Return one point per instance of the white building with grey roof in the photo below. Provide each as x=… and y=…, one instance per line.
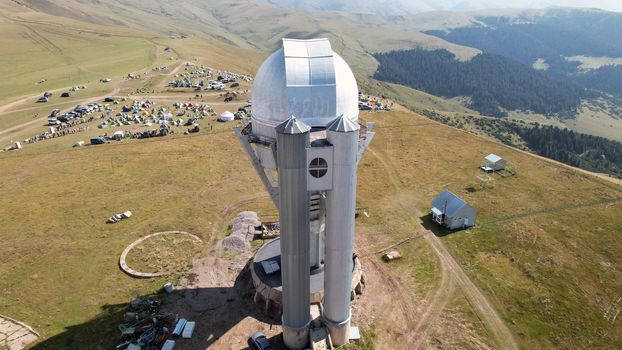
x=493, y=162
x=452, y=212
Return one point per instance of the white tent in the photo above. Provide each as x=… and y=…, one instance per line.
x=118, y=135
x=226, y=117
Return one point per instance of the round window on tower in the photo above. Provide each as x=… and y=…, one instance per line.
x=318, y=167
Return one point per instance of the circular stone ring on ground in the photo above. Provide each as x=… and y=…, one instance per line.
x=139, y=274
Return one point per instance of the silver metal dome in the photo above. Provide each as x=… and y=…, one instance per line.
x=305, y=79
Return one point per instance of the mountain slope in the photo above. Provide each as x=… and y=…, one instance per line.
x=255, y=24
x=402, y=7
x=553, y=38
x=492, y=82
x=60, y=52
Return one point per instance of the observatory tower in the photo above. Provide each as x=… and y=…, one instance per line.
x=305, y=142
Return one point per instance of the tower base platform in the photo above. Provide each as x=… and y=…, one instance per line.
x=268, y=286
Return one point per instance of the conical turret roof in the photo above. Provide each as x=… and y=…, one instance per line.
x=292, y=126
x=343, y=124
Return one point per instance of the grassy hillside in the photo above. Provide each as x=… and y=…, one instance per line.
x=59, y=267
x=546, y=238
x=354, y=36
x=61, y=52
x=541, y=258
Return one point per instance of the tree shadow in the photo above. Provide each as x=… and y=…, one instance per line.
x=232, y=306
x=429, y=224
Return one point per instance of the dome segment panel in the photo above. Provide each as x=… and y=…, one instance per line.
x=305, y=79
x=269, y=94
x=347, y=94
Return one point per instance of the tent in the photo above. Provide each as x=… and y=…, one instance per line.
x=226, y=117
x=118, y=135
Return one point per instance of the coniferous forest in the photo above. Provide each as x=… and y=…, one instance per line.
x=583, y=151
x=492, y=82
x=553, y=39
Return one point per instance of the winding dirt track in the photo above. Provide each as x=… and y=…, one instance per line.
x=476, y=298
x=451, y=275
x=7, y=107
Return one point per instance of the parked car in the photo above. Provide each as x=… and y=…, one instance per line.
x=235, y=85
x=97, y=140
x=65, y=94
x=364, y=107
x=109, y=99
x=260, y=342
x=52, y=121
x=42, y=99
x=55, y=112
x=64, y=118
x=47, y=94
x=191, y=121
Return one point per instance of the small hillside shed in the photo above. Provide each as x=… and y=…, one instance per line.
x=493, y=162
x=452, y=212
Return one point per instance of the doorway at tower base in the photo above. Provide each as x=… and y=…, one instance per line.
x=267, y=281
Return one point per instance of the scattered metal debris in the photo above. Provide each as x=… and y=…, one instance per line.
x=188, y=330
x=145, y=327
x=118, y=217
x=392, y=255
x=169, y=288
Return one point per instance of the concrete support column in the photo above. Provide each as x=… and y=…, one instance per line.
x=292, y=142
x=339, y=245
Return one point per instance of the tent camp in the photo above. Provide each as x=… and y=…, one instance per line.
x=226, y=117
x=452, y=212
x=118, y=135
x=493, y=162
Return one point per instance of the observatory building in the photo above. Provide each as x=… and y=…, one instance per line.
x=305, y=142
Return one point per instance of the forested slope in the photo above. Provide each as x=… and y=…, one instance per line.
x=492, y=82
x=551, y=38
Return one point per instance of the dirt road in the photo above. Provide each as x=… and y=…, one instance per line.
x=451, y=273
x=39, y=121
x=7, y=107
x=476, y=298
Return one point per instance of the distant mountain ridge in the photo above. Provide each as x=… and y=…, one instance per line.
x=552, y=40
x=409, y=7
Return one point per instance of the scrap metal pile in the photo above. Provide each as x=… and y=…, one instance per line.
x=145, y=328
x=118, y=217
